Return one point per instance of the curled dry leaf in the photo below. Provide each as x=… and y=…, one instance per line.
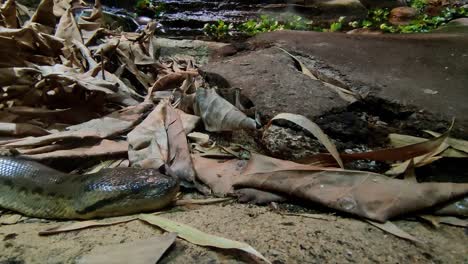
x=366, y=194
x=8, y=14
x=458, y=144
x=170, y=81
x=421, y=150
x=198, y=237
x=313, y=129
x=147, y=251
x=67, y=28
x=189, y=122
x=160, y=141
x=218, y=114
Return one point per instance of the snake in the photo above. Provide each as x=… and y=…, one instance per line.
x=35, y=190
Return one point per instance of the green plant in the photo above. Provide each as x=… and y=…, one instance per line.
x=220, y=30
x=338, y=25
x=418, y=4
x=148, y=8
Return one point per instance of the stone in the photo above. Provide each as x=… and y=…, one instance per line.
x=202, y=51
x=272, y=81
x=402, y=15
x=458, y=26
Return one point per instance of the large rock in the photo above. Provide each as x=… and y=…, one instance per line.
x=411, y=82
x=458, y=26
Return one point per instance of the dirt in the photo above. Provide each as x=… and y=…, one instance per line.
x=281, y=238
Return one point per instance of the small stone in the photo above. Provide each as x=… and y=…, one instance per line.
x=402, y=15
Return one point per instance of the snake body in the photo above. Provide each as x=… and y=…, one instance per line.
x=36, y=190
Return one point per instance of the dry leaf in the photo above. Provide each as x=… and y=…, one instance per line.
x=313, y=129
x=105, y=127
x=16, y=130
x=454, y=221
x=218, y=174
x=218, y=114
x=458, y=144
x=103, y=148
x=67, y=28
x=10, y=219
x=201, y=201
x=8, y=14
x=398, y=140
x=254, y=196
x=315, y=216
x=44, y=14
x=147, y=251
x=345, y=94
x=366, y=194
x=198, y=237
x=455, y=208
x=391, y=228
x=160, y=140
x=199, y=138
x=86, y=224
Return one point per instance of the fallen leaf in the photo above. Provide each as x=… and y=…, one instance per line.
x=18, y=130
x=148, y=141
x=44, y=14
x=197, y=137
x=366, y=194
x=391, y=228
x=189, y=122
x=8, y=14
x=218, y=174
x=313, y=129
x=450, y=220
x=218, y=114
x=458, y=144
x=86, y=224
x=10, y=219
x=67, y=28
x=101, y=128
x=103, y=148
x=345, y=94
x=170, y=81
x=314, y=216
x=454, y=208
x=147, y=251
x=160, y=141
x=198, y=237
x=398, y=140
x=254, y=196
x=201, y=201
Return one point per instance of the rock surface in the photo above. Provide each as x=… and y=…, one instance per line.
x=407, y=82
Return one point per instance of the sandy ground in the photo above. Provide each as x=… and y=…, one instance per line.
x=281, y=238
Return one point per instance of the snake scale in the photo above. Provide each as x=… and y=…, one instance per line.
x=36, y=190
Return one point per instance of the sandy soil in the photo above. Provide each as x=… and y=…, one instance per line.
x=281, y=238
